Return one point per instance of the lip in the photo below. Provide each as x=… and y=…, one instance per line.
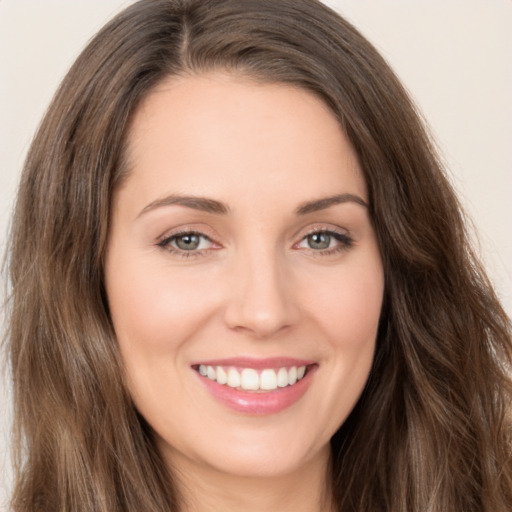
x=258, y=403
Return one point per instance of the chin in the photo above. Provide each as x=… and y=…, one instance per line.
x=252, y=453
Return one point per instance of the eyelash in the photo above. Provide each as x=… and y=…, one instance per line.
x=167, y=241
x=345, y=242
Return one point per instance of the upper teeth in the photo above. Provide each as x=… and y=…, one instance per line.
x=249, y=379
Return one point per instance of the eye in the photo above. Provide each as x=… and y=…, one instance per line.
x=319, y=241
x=186, y=242
x=325, y=241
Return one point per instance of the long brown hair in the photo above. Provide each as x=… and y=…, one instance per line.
x=432, y=431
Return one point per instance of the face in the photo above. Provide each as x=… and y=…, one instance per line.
x=243, y=274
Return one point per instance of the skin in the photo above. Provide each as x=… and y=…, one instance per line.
x=255, y=287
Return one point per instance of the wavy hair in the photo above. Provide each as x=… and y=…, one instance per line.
x=432, y=430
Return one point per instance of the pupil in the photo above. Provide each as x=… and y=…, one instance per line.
x=188, y=242
x=319, y=241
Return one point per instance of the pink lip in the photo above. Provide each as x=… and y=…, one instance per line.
x=259, y=403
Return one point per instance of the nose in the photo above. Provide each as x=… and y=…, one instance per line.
x=261, y=296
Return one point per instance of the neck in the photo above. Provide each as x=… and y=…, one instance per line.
x=307, y=488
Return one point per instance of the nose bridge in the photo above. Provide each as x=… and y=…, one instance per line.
x=260, y=296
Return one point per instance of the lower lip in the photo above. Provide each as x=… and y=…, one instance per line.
x=262, y=403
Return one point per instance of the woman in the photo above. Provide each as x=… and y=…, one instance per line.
x=241, y=281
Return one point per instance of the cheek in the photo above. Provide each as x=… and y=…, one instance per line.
x=349, y=307
x=153, y=309
x=155, y=313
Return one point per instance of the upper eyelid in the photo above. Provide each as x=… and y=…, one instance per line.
x=165, y=240
x=321, y=228
x=168, y=238
x=338, y=234
x=185, y=230
x=166, y=244
x=214, y=237
x=300, y=233
x=193, y=228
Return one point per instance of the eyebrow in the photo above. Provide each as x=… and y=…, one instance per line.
x=326, y=202
x=196, y=203
x=216, y=207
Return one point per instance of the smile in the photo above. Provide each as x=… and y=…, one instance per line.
x=251, y=379
x=256, y=386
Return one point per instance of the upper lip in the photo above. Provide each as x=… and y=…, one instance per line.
x=256, y=363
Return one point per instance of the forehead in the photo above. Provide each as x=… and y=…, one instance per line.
x=218, y=134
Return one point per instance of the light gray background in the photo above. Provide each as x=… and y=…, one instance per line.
x=455, y=57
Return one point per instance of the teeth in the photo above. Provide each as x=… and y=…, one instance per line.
x=233, y=378
x=211, y=373
x=250, y=380
x=282, y=378
x=222, y=376
x=292, y=375
x=268, y=379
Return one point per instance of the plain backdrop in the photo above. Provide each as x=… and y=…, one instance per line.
x=454, y=56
